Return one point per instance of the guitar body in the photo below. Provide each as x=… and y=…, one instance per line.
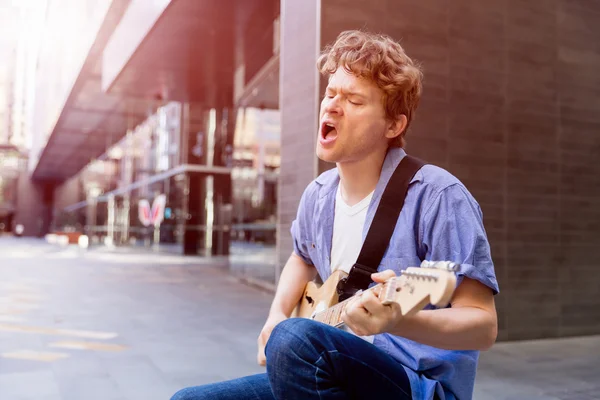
x=316, y=298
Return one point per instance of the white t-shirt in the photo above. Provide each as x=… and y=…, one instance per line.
x=348, y=225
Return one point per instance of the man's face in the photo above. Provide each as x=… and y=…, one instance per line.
x=352, y=119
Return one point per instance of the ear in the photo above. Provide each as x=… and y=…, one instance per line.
x=396, y=127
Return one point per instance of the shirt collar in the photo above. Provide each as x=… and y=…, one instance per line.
x=329, y=181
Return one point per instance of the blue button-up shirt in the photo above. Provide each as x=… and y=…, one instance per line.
x=440, y=221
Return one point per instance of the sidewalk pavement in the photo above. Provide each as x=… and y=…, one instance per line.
x=132, y=325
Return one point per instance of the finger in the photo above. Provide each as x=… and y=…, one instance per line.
x=372, y=304
x=355, y=302
x=357, y=319
x=383, y=276
x=352, y=321
x=381, y=313
x=355, y=314
x=261, y=358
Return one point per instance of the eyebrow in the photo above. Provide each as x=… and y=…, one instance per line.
x=348, y=92
x=356, y=94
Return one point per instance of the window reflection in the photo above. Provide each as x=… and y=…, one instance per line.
x=150, y=160
x=256, y=160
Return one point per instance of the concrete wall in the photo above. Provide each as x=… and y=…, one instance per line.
x=510, y=107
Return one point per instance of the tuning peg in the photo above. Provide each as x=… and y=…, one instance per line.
x=443, y=265
x=415, y=273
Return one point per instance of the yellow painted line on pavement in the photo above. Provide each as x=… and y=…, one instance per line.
x=22, y=307
x=23, y=295
x=11, y=318
x=16, y=287
x=18, y=299
x=62, y=332
x=88, y=346
x=11, y=311
x=34, y=355
x=25, y=298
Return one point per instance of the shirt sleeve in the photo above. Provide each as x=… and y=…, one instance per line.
x=298, y=230
x=452, y=230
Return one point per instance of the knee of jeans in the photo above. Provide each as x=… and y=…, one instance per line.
x=293, y=333
x=184, y=394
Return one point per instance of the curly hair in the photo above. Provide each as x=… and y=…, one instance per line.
x=381, y=59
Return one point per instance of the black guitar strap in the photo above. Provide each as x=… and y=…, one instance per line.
x=381, y=229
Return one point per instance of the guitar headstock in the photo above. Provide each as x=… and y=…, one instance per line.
x=432, y=283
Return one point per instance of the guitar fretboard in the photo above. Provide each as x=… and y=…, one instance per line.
x=333, y=315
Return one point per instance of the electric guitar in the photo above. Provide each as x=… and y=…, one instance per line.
x=433, y=283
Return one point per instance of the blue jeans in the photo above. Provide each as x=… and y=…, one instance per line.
x=309, y=360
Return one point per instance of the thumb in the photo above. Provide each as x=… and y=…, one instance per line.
x=383, y=276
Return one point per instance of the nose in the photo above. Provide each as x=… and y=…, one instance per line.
x=332, y=105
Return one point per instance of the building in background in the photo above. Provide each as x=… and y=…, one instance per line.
x=215, y=106
x=105, y=145
x=19, y=49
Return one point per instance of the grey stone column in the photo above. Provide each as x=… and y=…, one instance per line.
x=299, y=104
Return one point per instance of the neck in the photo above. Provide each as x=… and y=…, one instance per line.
x=359, y=178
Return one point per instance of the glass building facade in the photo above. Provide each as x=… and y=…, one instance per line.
x=221, y=198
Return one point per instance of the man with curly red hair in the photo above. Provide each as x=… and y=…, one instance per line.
x=370, y=100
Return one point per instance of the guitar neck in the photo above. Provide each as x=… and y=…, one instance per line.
x=333, y=315
x=432, y=283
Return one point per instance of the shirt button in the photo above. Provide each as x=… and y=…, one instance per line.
x=313, y=245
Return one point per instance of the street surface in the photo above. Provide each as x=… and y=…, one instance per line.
x=125, y=324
